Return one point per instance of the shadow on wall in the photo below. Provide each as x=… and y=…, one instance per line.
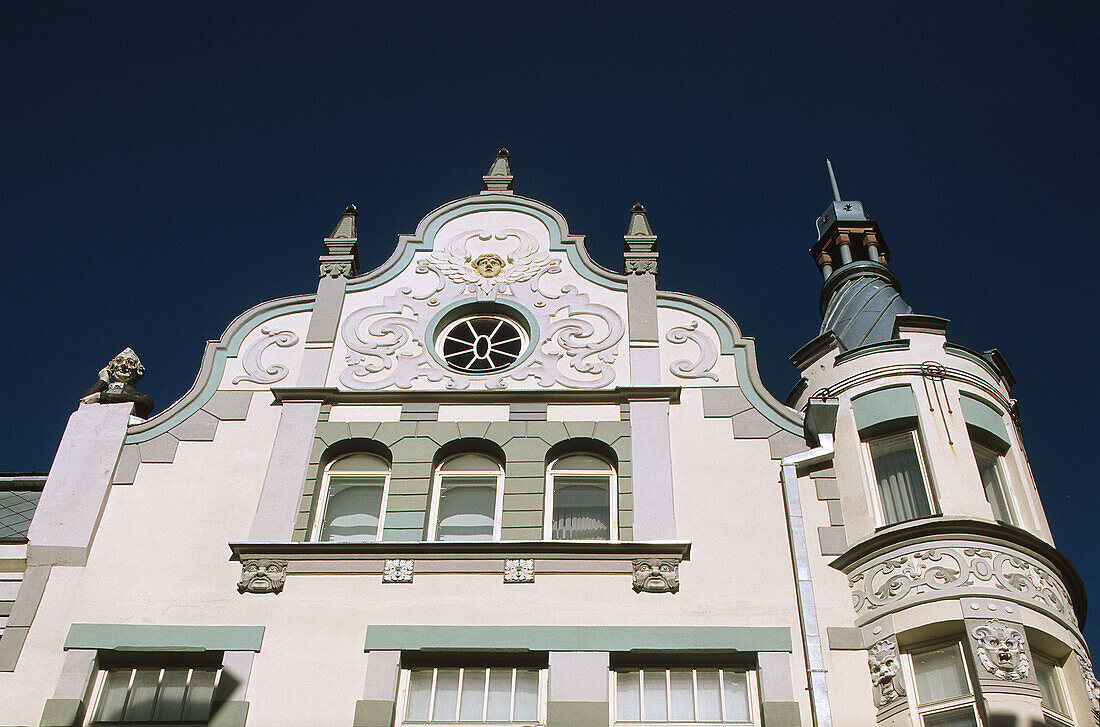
x=1011, y=720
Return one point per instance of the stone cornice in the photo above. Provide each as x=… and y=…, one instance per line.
x=337, y=396
x=555, y=549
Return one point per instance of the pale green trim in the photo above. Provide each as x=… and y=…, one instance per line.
x=883, y=405
x=880, y=347
x=954, y=349
x=579, y=638
x=778, y=418
x=216, y=352
x=983, y=416
x=132, y=637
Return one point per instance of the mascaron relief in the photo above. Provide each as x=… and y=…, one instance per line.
x=1092, y=686
x=1001, y=650
x=388, y=344
x=698, y=368
x=397, y=570
x=262, y=575
x=254, y=369
x=885, y=665
x=656, y=575
x=958, y=570
x=519, y=570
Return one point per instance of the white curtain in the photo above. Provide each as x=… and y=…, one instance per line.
x=900, y=481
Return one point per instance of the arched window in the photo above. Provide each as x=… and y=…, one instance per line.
x=466, y=498
x=580, y=498
x=352, y=499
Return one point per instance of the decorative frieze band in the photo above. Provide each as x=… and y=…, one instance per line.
x=914, y=574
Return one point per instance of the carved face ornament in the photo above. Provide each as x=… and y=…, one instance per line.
x=1001, y=650
x=126, y=367
x=262, y=576
x=488, y=265
x=656, y=576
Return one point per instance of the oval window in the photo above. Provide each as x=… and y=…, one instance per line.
x=481, y=343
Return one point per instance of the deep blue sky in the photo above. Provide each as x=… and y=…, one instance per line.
x=166, y=167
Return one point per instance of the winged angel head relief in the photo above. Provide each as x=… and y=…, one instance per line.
x=489, y=261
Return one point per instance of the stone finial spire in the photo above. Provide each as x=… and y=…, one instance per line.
x=639, y=244
x=499, y=178
x=341, y=250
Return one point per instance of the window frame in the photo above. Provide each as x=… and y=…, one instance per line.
x=101, y=681
x=405, y=685
x=919, y=711
x=878, y=506
x=1001, y=472
x=753, y=695
x=438, y=475
x=325, y=487
x=1065, y=719
x=612, y=474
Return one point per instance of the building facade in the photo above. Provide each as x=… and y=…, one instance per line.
x=491, y=482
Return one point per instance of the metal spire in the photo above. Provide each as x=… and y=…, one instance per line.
x=832, y=180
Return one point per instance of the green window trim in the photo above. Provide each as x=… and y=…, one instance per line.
x=884, y=405
x=175, y=638
x=982, y=416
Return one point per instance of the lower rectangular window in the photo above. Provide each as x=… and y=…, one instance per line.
x=154, y=696
x=685, y=696
x=1056, y=709
x=487, y=695
x=943, y=696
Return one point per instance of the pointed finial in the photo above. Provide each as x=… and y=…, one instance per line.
x=341, y=247
x=639, y=244
x=639, y=224
x=499, y=178
x=832, y=180
x=345, y=228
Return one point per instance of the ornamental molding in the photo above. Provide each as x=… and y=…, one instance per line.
x=342, y=268
x=915, y=574
x=262, y=575
x=1002, y=650
x=490, y=263
x=701, y=367
x=397, y=570
x=885, y=665
x=1092, y=686
x=254, y=368
x=656, y=575
x=390, y=345
x=519, y=570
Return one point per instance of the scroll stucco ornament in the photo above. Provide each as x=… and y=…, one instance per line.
x=262, y=575
x=397, y=570
x=116, y=384
x=519, y=570
x=885, y=665
x=1092, y=687
x=254, y=369
x=1000, y=648
x=656, y=575
x=490, y=261
x=700, y=368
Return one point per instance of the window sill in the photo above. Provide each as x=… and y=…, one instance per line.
x=653, y=565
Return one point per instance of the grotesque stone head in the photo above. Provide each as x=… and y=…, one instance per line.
x=885, y=667
x=488, y=265
x=262, y=575
x=656, y=575
x=1000, y=648
x=126, y=367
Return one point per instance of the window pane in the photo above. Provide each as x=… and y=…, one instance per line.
x=627, y=697
x=359, y=463
x=352, y=513
x=955, y=718
x=527, y=695
x=582, y=508
x=173, y=688
x=472, y=704
x=682, y=706
x=200, y=694
x=446, y=695
x=466, y=509
x=500, y=695
x=112, y=700
x=1050, y=686
x=653, y=688
x=900, y=481
x=470, y=462
x=143, y=694
x=940, y=675
x=736, y=695
x=581, y=462
x=994, y=488
x=707, y=688
x=420, y=695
